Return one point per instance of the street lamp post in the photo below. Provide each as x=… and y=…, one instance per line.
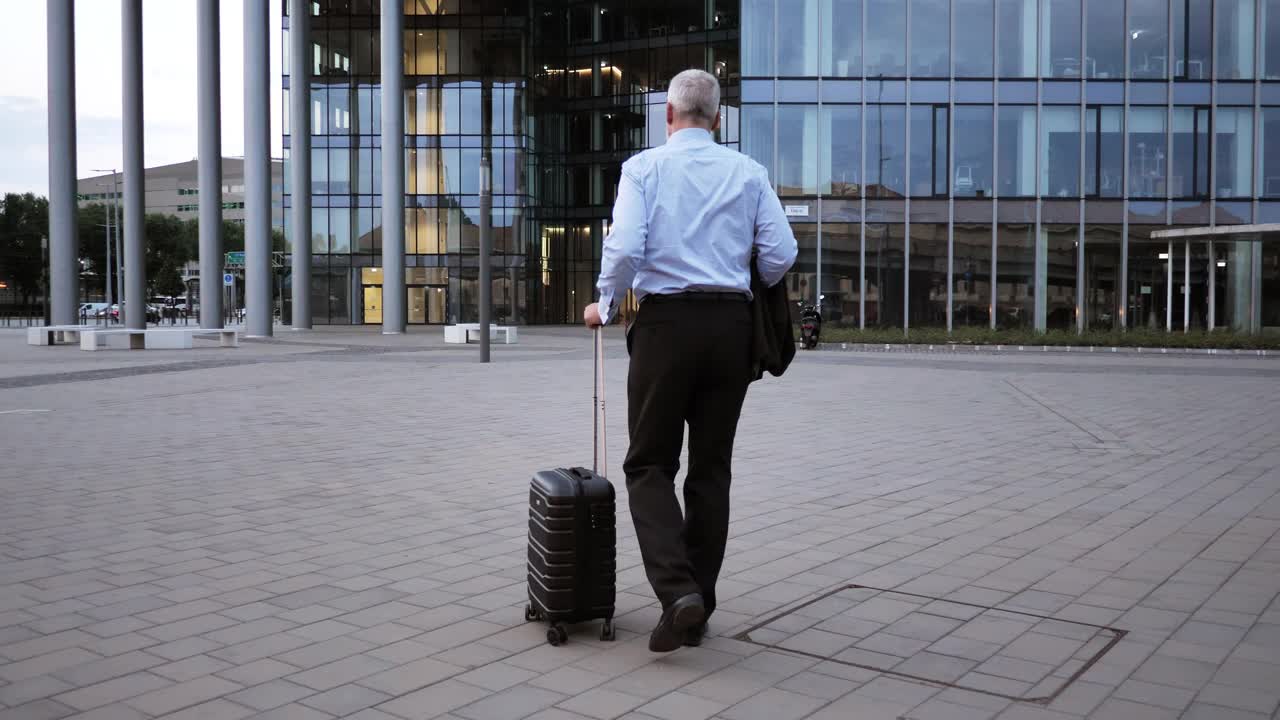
x=108, y=287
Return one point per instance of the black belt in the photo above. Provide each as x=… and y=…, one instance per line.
x=696, y=296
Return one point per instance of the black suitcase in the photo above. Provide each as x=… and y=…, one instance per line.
x=573, y=540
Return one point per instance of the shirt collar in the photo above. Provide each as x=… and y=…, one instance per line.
x=690, y=135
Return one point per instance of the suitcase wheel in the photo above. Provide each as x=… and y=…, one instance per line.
x=607, y=632
x=531, y=615
x=557, y=636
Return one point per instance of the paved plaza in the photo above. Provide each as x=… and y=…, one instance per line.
x=332, y=524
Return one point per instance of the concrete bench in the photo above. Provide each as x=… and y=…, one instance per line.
x=55, y=334
x=462, y=333
x=100, y=338
x=154, y=338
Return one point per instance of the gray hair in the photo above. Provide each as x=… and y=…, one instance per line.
x=695, y=94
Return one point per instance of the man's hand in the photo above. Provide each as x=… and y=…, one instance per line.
x=591, y=316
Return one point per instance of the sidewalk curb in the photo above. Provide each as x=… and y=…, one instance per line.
x=968, y=349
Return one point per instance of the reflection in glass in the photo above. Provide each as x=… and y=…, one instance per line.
x=1017, y=134
x=757, y=135
x=973, y=152
x=930, y=38
x=1190, y=152
x=1270, y=152
x=974, y=27
x=798, y=150
x=1060, y=55
x=1271, y=40
x=1235, y=39
x=1104, y=151
x=1060, y=152
x=1015, y=275
x=339, y=230
x=928, y=287
x=929, y=151
x=886, y=40
x=798, y=55
x=1104, y=38
x=840, y=154
x=1017, y=31
x=1234, y=128
x=840, y=243
x=1101, y=276
x=886, y=151
x=1192, y=39
x=971, y=281
x=757, y=37
x=1149, y=34
x=1148, y=281
x=1147, y=152
x=1059, y=275
x=884, y=244
x=802, y=280
x=319, y=230
x=841, y=25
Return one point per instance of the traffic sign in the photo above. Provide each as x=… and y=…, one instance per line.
x=228, y=279
x=234, y=259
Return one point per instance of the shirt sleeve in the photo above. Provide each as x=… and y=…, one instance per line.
x=775, y=243
x=624, y=247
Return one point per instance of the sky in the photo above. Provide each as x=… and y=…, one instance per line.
x=169, y=87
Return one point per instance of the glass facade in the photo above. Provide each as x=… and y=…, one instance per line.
x=946, y=163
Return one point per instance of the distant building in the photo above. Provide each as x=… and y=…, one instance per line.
x=173, y=190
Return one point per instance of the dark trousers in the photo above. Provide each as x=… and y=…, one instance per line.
x=690, y=364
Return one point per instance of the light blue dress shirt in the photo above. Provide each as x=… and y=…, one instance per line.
x=688, y=215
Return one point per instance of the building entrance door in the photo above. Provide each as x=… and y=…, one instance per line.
x=373, y=304
x=427, y=304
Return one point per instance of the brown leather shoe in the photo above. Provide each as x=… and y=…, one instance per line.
x=683, y=614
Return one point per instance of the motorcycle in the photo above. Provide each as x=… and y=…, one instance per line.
x=810, y=325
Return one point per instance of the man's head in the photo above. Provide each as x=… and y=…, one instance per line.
x=693, y=101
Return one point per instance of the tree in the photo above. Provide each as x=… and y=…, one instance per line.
x=24, y=222
x=91, y=225
x=167, y=250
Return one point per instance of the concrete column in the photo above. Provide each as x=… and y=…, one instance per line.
x=300, y=67
x=209, y=109
x=393, y=290
x=135, y=186
x=257, y=168
x=486, y=250
x=64, y=273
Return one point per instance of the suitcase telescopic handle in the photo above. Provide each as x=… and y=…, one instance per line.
x=599, y=451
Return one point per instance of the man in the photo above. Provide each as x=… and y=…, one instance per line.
x=688, y=217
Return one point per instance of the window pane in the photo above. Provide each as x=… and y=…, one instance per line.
x=928, y=150
x=757, y=135
x=1015, y=265
x=340, y=171
x=930, y=38
x=973, y=155
x=1235, y=39
x=886, y=38
x=340, y=230
x=841, y=25
x=1059, y=275
x=1104, y=151
x=840, y=244
x=1104, y=54
x=886, y=151
x=1146, y=152
x=1101, y=276
x=1192, y=39
x=884, y=244
x=320, y=171
x=1017, y=151
x=1190, y=152
x=1270, y=152
x=1149, y=49
x=1060, y=56
x=1234, y=127
x=974, y=28
x=1060, y=152
x=798, y=150
x=1017, y=51
x=1271, y=39
x=757, y=37
x=928, y=302
x=320, y=230
x=971, y=279
x=799, y=25
x=840, y=158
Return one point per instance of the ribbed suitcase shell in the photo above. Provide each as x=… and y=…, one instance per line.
x=572, y=545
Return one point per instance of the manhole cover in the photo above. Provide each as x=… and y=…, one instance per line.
x=1006, y=653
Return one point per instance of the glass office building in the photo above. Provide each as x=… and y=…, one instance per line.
x=945, y=163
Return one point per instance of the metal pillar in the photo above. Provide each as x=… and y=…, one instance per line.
x=1168, y=289
x=208, y=106
x=1213, y=287
x=1186, y=289
x=300, y=67
x=134, y=178
x=119, y=266
x=486, y=248
x=64, y=289
x=393, y=289
x=257, y=169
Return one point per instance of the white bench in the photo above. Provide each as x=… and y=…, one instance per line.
x=54, y=334
x=154, y=338
x=461, y=334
